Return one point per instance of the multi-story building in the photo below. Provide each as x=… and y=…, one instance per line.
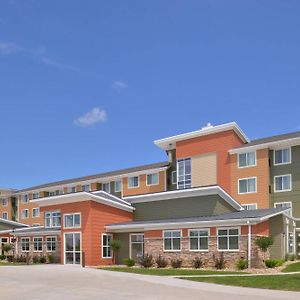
x=216, y=193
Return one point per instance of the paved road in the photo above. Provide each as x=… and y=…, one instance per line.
x=57, y=282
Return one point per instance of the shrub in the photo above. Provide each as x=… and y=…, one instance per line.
x=2, y=257
x=53, y=259
x=197, y=263
x=35, y=259
x=220, y=262
x=146, y=261
x=129, y=262
x=272, y=263
x=264, y=243
x=290, y=257
x=161, y=262
x=242, y=264
x=42, y=259
x=115, y=246
x=176, y=263
x=6, y=248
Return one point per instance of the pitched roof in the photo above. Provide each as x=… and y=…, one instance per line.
x=98, y=176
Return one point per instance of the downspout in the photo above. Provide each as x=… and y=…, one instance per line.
x=249, y=244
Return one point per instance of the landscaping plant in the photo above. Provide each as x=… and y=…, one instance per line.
x=176, y=263
x=242, y=264
x=264, y=243
x=115, y=246
x=6, y=248
x=147, y=261
x=161, y=262
x=197, y=263
x=220, y=262
x=129, y=262
x=272, y=263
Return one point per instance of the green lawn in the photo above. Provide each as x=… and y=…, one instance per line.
x=11, y=264
x=166, y=272
x=295, y=267
x=274, y=282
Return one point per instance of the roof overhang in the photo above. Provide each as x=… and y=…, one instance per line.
x=156, y=225
x=193, y=192
x=169, y=143
x=271, y=145
x=83, y=196
x=12, y=223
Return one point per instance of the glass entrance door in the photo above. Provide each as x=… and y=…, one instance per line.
x=136, y=246
x=72, y=248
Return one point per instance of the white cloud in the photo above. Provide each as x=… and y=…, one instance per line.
x=9, y=48
x=119, y=84
x=96, y=115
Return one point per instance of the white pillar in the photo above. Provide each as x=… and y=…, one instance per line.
x=287, y=236
x=249, y=244
x=294, y=239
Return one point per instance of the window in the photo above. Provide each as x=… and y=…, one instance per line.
x=184, y=173
x=85, y=188
x=72, y=220
x=252, y=206
x=37, y=244
x=174, y=177
x=35, y=212
x=282, y=156
x=5, y=215
x=228, y=239
x=284, y=205
x=106, y=249
x=35, y=195
x=283, y=183
x=25, y=214
x=52, y=219
x=72, y=189
x=172, y=240
x=133, y=181
x=25, y=244
x=118, y=186
x=24, y=198
x=106, y=187
x=198, y=239
x=136, y=250
x=247, y=159
x=56, y=193
x=247, y=185
x=152, y=179
x=51, y=243
x=4, y=202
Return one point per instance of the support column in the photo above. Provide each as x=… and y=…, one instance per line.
x=249, y=244
x=294, y=239
x=287, y=236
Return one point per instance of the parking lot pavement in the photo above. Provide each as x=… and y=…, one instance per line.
x=71, y=282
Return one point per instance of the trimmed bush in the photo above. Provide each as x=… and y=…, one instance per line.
x=161, y=262
x=290, y=257
x=42, y=259
x=220, y=262
x=129, y=262
x=272, y=263
x=176, y=263
x=242, y=264
x=264, y=243
x=197, y=263
x=35, y=259
x=2, y=257
x=147, y=261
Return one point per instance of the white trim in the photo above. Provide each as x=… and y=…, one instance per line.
x=248, y=204
x=9, y=222
x=109, y=186
x=192, y=192
x=152, y=184
x=25, y=209
x=172, y=182
x=118, y=191
x=286, y=202
x=163, y=238
x=38, y=213
x=247, y=178
x=133, y=187
x=108, y=246
x=286, y=190
x=189, y=238
x=37, y=237
x=130, y=242
x=170, y=142
x=5, y=218
x=23, y=238
x=71, y=214
x=51, y=237
x=64, y=246
x=250, y=166
x=285, y=163
x=227, y=236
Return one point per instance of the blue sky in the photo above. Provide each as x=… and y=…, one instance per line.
x=86, y=86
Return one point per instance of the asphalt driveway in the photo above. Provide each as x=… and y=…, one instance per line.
x=57, y=282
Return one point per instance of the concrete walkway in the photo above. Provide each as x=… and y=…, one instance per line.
x=71, y=283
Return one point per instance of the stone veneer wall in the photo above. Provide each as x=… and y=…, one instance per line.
x=154, y=246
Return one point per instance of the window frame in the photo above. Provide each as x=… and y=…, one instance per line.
x=51, y=218
x=6, y=213
x=247, y=178
x=70, y=189
x=2, y=201
x=106, y=246
x=185, y=185
x=24, y=196
x=33, y=243
x=109, y=186
x=172, y=246
x=286, y=190
x=22, y=239
x=227, y=236
x=248, y=204
x=51, y=243
x=71, y=214
x=285, y=202
x=247, y=166
x=151, y=174
x=39, y=213
x=199, y=238
x=25, y=209
x=121, y=185
x=133, y=187
x=283, y=163
x=172, y=177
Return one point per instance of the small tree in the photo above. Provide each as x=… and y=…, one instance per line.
x=115, y=246
x=264, y=243
x=6, y=248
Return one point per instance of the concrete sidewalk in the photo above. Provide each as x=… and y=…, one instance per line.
x=57, y=282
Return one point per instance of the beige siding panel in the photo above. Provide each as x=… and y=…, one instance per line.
x=204, y=169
